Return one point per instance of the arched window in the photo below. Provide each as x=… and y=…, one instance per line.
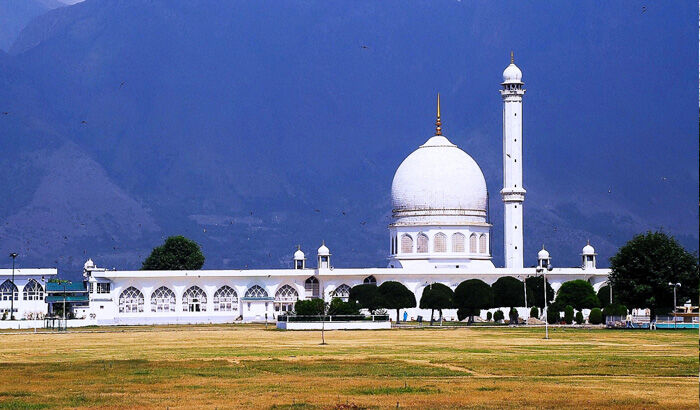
x=457, y=242
x=256, y=292
x=163, y=300
x=483, y=243
x=225, y=299
x=131, y=301
x=406, y=243
x=311, y=287
x=422, y=245
x=194, y=300
x=8, y=291
x=472, y=243
x=370, y=280
x=342, y=292
x=285, y=298
x=33, y=291
x=440, y=242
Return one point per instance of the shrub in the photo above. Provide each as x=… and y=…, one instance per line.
x=488, y=316
x=577, y=293
x=615, y=309
x=513, y=316
x=553, y=317
x=568, y=314
x=604, y=296
x=596, y=316
x=498, y=315
x=578, y=318
x=464, y=313
x=534, y=312
x=309, y=307
x=338, y=307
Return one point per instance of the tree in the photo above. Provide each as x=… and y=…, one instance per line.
x=436, y=296
x=513, y=316
x=488, y=316
x=338, y=307
x=596, y=316
x=498, y=316
x=535, y=293
x=577, y=293
x=569, y=314
x=473, y=295
x=615, y=309
x=366, y=295
x=534, y=312
x=394, y=295
x=643, y=268
x=508, y=292
x=309, y=307
x=177, y=253
x=553, y=316
x=579, y=317
x=604, y=296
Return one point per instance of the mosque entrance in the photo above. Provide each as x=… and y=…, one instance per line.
x=195, y=306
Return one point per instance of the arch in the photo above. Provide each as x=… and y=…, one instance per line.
x=225, y=299
x=406, y=243
x=342, y=292
x=370, y=280
x=256, y=292
x=422, y=243
x=163, y=300
x=312, y=288
x=33, y=291
x=285, y=298
x=440, y=242
x=483, y=243
x=8, y=291
x=472, y=243
x=194, y=300
x=458, y=242
x=131, y=301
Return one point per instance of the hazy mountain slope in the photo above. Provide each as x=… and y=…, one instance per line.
x=252, y=127
x=15, y=14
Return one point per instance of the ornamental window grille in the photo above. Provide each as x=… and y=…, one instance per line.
x=472, y=243
x=163, y=300
x=312, y=288
x=440, y=242
x=33, y=291
x=131, y=301
x=256, y=292
x=8, y=291
x=483, y=244
x=422, y=243
x=194, y=300
x=457, y=242
x=285, y=298
x=342, y=292
x=370, y=280
x=103, y=287
x=225, y=299
x=406, y=243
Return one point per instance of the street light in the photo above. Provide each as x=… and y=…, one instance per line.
x=675, y=285
x=13, y=255
x=546, y=307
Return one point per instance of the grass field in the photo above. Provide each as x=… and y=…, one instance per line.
x=248, y=366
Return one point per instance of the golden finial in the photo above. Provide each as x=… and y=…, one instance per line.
x=438, y=123
x=512, y=60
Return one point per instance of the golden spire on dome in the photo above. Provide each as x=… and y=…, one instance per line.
x=512, y=60
x=438, y=123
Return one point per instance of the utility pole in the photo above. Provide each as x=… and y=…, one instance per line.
x=13, y=255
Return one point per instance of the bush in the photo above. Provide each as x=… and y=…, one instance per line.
x=578, y=318
x=309, y=307
x=464, y=313
x=568, y=314
x=498, y=315
x=534, y=312
x=577, y=293
x=604, y=296
x=513, y=316
x=615, y=309
x=338, y=307
x=488, y=316
x=596, y=316
x=553, y=317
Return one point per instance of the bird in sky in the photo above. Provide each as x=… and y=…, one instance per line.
x=364, y=46
x=644, y=8
x=121, y=84
x=83, y=122
x=5, y=112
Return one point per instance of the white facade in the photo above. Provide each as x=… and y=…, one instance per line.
x=439, y=234
x=27, y=295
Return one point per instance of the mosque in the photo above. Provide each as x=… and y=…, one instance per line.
x=440, y=232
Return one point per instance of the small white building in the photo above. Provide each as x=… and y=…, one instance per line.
x=24, y=292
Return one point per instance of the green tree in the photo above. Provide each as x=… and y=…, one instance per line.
x=534, y=312
x=508, y=292
x=177, y=253
x=338, y=307
x=553, y=316
x=394, y=295
x=488, y=316
x=498, y=315
x=642, y=269
x=596, y=316
x=577, y=293
x=604, y=296
x=615, y=309
x=579, y=317
x=309, y=307
x=535, y=293
x=436, y=296
x=473, y=295
x=569, y=314
x=366, y=295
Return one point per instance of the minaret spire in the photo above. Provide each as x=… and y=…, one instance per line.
x=438, y=123
x=512, y=60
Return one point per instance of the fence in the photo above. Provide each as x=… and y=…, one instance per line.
x=335, y=318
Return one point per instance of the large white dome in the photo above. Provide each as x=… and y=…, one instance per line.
x=439, y=184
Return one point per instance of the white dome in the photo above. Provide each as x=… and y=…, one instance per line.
x=299, y=255
x=512, y=74
x=323, y=250
x=588, y=250
x=543, y=254
x=440, y=184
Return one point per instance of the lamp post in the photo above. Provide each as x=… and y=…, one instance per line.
x=546, y=307
x=675, y=285
x=13, y=255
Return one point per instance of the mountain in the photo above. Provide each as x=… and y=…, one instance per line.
x=254, y=127
x=15, y=14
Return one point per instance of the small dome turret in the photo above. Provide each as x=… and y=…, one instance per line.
x=543, y=254
x=588, y=249
x=324, y=256
x=323, y=250
x=512, y=74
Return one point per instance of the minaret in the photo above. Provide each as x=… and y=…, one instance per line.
x=513, y=193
